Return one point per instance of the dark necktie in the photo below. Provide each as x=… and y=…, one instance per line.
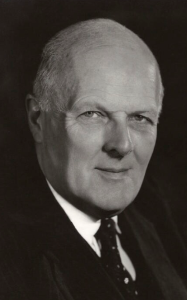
x=111, y=260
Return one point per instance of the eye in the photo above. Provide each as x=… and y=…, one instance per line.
x=142, y=119
x=92, y=114
x=139, y=118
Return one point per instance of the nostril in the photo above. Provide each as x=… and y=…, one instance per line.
x=113, y=153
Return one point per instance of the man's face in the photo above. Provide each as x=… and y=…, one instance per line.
x=95, y=154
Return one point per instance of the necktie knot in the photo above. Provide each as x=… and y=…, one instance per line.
x=106, y=236
x=108, y=224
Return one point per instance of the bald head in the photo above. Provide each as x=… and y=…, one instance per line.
x=56, y=81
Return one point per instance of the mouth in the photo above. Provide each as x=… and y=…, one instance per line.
x=112, y=170
x=113, y=173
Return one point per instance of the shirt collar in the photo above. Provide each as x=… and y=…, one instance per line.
x=84, y=224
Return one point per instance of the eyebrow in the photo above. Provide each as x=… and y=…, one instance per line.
x=88, y=104
x=152, y=111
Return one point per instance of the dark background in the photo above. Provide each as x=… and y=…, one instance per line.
x=26, y=25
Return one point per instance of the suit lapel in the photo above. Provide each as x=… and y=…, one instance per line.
x=154, y=254
x=75, y=267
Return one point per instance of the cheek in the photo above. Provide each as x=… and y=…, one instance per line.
x=55, y=145
x=57, y=153
x=144, y=147
x=83, y=150
x=84, y=143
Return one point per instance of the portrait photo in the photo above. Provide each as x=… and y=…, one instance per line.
x=93, y=150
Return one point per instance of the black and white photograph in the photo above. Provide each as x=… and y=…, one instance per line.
x=93, y=150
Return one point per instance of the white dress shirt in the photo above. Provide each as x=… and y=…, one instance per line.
x=87, y=228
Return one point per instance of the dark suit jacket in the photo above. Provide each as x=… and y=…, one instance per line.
x=43, y=257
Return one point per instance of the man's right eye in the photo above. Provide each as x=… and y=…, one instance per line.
x=92, y=114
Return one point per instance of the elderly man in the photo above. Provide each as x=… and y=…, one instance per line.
x=93, y=115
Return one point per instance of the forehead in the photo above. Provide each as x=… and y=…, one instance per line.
x=122, y=76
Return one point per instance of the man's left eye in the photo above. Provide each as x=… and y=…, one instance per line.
x=142, y=119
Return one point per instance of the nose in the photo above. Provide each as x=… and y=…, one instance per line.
x=119, y=142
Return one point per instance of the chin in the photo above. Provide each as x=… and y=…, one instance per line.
x=104, y=213
x=112, y=209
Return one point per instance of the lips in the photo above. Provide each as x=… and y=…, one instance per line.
x=112, y=170
x=113, y=173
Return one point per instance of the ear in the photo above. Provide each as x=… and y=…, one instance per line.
x=34, y=114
